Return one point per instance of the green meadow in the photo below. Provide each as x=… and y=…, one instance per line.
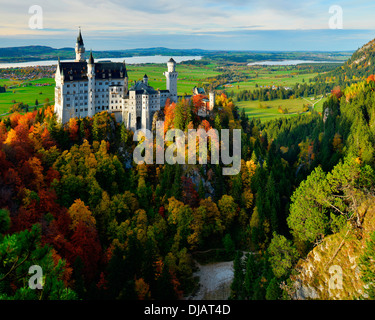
x=268, y=77
x=25, y=94
x=189, y=76
x=268, y=110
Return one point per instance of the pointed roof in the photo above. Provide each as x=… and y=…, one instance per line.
x=141, y=88
x=58, y=68
x=145, y=76
x=91, y=59
x=171, y=60
x=79, y=38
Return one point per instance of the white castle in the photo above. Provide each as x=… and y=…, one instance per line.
x=84, y=88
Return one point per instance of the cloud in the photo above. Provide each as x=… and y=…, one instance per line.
x=124, y=19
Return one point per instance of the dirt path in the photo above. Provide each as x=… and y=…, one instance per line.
x=215, y=281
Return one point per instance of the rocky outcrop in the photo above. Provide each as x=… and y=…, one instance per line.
x=331, y=271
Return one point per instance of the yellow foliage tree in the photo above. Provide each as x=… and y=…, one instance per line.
x=79, y=212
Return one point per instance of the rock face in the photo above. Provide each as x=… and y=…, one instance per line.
x=330, y=271
x=158, y=116
x=193, y=172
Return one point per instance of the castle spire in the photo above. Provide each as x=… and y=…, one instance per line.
x=80, y=48
x=91, y=59
x=79, y=38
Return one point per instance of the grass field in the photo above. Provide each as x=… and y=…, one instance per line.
x=268, y=77
x=189, y=76
x=270, y=111
x=27, y=94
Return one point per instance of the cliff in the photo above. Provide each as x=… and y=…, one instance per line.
x=331, y=271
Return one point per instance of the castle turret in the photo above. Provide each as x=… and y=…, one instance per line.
x=126, y=83
x=145, y=79
x=91, y=85
x=145, y=111
x=171, y=77
x=80, y=48
x=212, y=99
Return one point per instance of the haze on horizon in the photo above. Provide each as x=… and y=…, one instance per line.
x=181, y=24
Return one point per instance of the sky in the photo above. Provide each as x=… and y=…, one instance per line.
x=184, y=24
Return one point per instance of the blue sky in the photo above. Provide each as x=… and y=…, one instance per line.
x=207, y=24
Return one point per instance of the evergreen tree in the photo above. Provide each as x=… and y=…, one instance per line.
x=250, y=275
x=273, y=291
x=237, y=290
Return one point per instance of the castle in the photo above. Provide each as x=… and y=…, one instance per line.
x=84, y=88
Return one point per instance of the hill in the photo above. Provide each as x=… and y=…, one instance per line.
x=31, y=53
x=356, y=68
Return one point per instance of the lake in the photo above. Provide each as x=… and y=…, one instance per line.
x=287, y=62
x=128, y=60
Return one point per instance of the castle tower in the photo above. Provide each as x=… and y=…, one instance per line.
x=211, y=96
x=145, y=111
x=91, y=85
x=126, y=83
x=145, y=79
x=80, y=48
x=171, y=77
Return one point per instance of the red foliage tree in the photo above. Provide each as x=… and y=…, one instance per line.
x=337, y=92
x=85, y=243
x=198, y=102
x=189, y=195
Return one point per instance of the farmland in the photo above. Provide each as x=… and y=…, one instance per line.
x=230, y=79
x=26, y=92
x=268, y=110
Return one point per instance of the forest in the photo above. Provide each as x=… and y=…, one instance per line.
x=73, y=202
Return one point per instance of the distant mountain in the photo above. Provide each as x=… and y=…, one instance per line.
x=30, y=53
x=35, y=53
